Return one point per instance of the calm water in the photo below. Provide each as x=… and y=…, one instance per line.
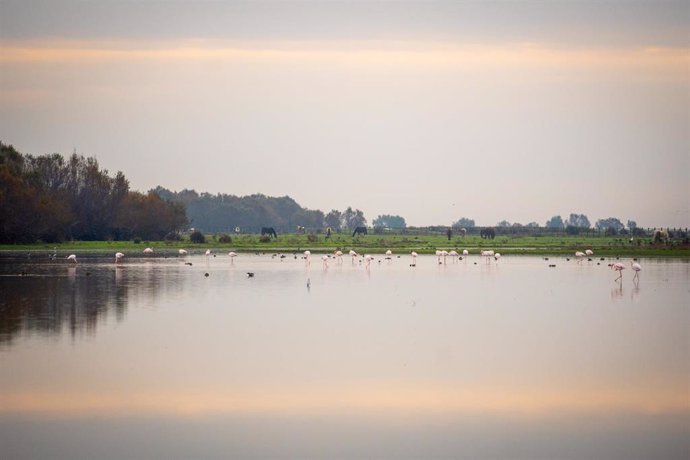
x=154, y=359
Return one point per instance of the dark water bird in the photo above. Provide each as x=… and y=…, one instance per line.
x=188, y=263
x=413, y=265
x=206, y=274
x=546, y=258
x=552, y=265
x=568, y=259
x=250, y=274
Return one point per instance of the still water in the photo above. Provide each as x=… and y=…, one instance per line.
x=467, y=359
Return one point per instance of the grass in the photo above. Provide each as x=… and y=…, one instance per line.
x=423, y=244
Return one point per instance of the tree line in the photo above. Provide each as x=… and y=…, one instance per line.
x=52, y=199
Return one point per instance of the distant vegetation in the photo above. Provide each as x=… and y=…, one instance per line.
x=51, y=199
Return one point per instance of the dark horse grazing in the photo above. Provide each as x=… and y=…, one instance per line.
x=488, y=233
x=268, y=231
x=359, y=231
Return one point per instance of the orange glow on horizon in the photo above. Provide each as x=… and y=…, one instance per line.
x=518, y=55
x=421, y=401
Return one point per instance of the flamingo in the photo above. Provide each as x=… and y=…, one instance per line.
x=414, y=259
x=72, y=258
x=339, y=256
x=619, y=267
x=589, y=252
x=232, y=256
x=454, y=255
x=182, y=252
x=118, y=257
x=465, y=252
x=389, y=253
x=579, y=255
x=325, y=262
x=497, y=256
x=307, y=259
x=488, y=255
x=148, y=251
x=354, y=255
x=208, y=252
x=637, y=267
x=368, y=259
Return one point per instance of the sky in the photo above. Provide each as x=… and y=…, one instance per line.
x=516, y=110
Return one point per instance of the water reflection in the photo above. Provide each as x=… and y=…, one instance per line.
x=59, y=299
x=402, y=350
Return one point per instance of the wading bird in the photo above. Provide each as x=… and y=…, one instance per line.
x=414, y=259
x=637, y=267
x=339, y=256
x=497, y=256
x=148, y=251
x=619, y=267
x=118, y=257
x=208, y=252
x=307, y=257
x=182, y=252
x=589, y=252
x=354, y=255
x=72, y=258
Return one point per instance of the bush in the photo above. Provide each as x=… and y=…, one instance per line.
x=173, y=236
x=197, y=237
x=264, y=239
x=136, y=240
x=312, y=238
x=224, y=238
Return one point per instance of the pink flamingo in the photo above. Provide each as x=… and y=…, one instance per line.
x=354, y=256
x=637, y=267
x=619, y=267
x=118, y=257
x=72, y=258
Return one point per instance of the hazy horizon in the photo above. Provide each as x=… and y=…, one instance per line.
x=432, y=111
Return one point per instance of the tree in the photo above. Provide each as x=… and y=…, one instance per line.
x=578, y=221
x=555, y=222
x=632, y=225
x=464, y=222
x=503, y=223
x=333, y=219
x=353, y=218
x=532, y=225
x=610, y=225
x=388, y=221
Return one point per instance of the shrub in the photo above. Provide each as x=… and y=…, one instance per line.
x=224, y=238
x=312, y=238
x=173, y=236
x=197, y=237
x=264, y=239
x=136, y=240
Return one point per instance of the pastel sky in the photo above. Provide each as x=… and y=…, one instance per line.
x=430, y=110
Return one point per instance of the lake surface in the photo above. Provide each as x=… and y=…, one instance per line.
x=467, y=359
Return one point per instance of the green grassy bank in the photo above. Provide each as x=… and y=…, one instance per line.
x=423, y=244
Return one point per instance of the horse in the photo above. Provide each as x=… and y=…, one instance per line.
x=359, y=231
x=488, y=233
x=269, y=231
